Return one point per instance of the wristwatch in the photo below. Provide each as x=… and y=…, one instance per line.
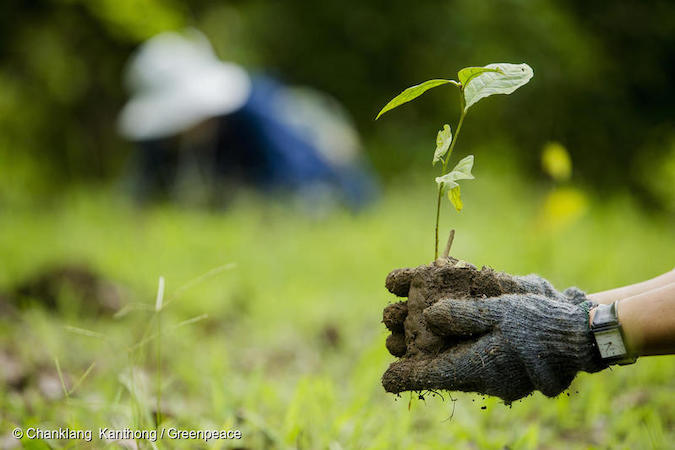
x=609, y=336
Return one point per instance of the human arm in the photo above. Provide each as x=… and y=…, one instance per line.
x=648, y=321
x=611, y=295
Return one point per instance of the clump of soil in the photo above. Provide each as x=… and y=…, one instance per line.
x=424, y=286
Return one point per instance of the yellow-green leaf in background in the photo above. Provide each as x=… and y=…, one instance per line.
x=443, y=139
x=556, y=161
x=562, y=208
x=456, y=198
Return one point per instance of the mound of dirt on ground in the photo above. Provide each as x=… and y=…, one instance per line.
x=94, y=293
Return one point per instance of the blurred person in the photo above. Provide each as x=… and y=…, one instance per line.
x=205, y=127
x=535, y=338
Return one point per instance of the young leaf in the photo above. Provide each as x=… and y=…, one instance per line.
x=412, y=93
x=456, y=198
x=469, y=73
x=462, y=171
x=443, y=139
x=465, y=165
x=509, y=78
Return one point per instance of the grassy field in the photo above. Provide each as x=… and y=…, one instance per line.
x=287, y=344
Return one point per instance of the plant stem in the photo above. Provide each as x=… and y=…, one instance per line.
x=454, y=139
x=438, y=216
x=445, y=167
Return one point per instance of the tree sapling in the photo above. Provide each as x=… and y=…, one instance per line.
x=475, y=83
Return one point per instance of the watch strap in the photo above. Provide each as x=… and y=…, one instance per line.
x=605, y=319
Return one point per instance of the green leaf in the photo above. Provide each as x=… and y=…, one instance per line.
x=462, y=171
x=443, y=140
x=469, y=73
x=510, y=78
x=455, y=198
x=412, y=93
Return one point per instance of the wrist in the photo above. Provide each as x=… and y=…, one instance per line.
x=631, y=331
x=589, y=308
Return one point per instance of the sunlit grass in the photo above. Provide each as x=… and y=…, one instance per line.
x=288, y=346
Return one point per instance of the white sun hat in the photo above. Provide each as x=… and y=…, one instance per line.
x=176, y=81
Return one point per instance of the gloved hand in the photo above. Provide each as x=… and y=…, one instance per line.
x=517, y=343
x=443, y=279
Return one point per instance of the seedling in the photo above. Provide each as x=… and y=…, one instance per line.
x=475, y=83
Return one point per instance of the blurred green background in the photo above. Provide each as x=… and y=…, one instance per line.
x=287, y=345
x=602, y=82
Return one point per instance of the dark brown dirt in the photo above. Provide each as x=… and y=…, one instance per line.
x=92, y=292
x=394, y=315
x=330, y=336
x=396, y=344
x=424, y=286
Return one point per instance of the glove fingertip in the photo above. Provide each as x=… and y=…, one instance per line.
x=535, y=284
x=398, y=377
x=439, y=314
x=394, y=316
x=396, y=344
x=575, y=295
x=459, y=317
x=398, y=281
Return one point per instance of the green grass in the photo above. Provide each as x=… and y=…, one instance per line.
x=260, y=361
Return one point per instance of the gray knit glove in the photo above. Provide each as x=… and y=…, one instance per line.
x=514, y=344
x=399, y=281
x=534, y=284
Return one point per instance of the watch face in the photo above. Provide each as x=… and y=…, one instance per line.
x=610, y=343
